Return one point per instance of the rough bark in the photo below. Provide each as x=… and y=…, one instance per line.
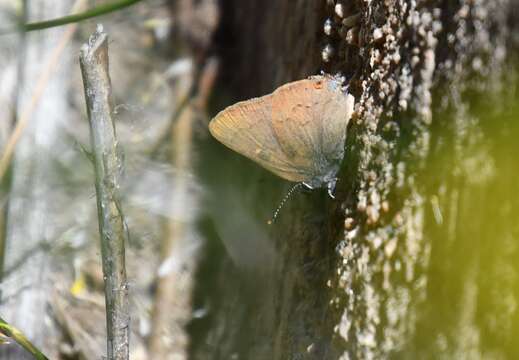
x=368, y=276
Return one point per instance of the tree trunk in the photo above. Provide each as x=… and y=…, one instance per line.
x=415, y=257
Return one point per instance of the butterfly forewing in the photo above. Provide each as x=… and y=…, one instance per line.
x=246, y=128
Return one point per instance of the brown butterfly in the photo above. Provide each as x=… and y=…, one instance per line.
x=297, y=132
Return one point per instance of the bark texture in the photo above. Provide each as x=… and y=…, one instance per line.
x=354, y=278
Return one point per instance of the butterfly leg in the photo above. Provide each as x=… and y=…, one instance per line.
x=331, y=187
x=307, y=186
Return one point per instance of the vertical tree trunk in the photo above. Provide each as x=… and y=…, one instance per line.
x=393, y=266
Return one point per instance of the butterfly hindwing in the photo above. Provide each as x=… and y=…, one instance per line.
x=335, y=118
x=246, y=128
x=309, y=120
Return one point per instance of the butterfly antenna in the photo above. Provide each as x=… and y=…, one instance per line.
x=282, y=203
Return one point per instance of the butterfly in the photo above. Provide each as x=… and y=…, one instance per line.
x=297, y=132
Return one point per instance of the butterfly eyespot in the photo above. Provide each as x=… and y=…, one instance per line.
x=318, y=85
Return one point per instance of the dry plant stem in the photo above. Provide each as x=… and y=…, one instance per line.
x=173, y=298
x=21, y=124
x=181, y=107
x=206, y=83
x=172, y=301
x=172, y=308
x=98, y=93
x=199, y=101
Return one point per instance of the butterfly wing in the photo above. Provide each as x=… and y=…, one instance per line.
x=335, y=118
x=294, y=117
x=309, y=120
x=246, y=128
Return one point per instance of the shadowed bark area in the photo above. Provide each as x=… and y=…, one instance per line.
x=402, y=264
